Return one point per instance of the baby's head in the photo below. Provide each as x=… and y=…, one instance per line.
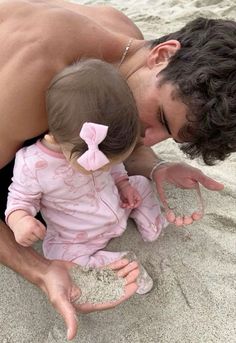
x=92, y=91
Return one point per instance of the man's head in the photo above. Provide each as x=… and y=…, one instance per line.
x=194, y=71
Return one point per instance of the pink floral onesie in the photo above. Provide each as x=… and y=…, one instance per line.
x=82, y=212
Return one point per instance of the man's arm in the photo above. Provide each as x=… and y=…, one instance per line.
x=54, y=280
x=141, y=161
x=26, y=261
x=51, y=276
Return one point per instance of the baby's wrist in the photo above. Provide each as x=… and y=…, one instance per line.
x=123, y=184
x=15, y=217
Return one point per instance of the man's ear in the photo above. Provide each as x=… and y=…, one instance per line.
x=162, y=52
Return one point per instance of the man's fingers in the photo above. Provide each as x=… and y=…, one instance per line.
x=127, y=269
x=130, y=290
x=179, y=221
x=162, y=196
x=209, y=183
x=116, y=265
x=197, y=215
x=132, y=276
x=68, y=312
x=187, y=220
x=170, y=216
x=123, y=268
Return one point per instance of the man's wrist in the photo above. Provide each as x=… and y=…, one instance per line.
x=25, y=261
x=156, y=167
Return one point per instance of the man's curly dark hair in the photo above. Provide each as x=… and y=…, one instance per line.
x=203, y=72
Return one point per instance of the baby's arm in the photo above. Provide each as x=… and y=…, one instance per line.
x=27, y=229
x=23, y=202
x=129, y=196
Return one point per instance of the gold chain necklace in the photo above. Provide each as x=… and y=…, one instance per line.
x=125, y=52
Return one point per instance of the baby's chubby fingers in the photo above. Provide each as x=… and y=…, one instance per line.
x=137, y=201
x=34, y=229
x=39, y=230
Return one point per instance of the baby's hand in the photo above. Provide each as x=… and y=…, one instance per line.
x=28, y=230
x=129, y=196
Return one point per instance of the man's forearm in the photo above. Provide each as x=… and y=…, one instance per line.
x=25, y=261
x=141, y=161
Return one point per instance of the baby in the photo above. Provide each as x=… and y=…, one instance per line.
x=75, y=176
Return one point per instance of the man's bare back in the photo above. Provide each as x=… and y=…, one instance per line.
x=37, y=40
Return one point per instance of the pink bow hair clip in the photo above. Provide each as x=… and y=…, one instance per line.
x=93, y=134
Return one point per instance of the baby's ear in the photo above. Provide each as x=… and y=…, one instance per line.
x=50, y=138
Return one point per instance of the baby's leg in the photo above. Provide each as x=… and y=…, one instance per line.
x=101, y=258
x=86, y=255
x=148, y=217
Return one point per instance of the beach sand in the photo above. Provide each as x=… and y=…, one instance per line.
x=194, y=294
x=194, y=268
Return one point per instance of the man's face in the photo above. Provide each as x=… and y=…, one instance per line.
x=162, y=114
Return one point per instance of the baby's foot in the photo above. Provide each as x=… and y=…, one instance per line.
x=144, y=280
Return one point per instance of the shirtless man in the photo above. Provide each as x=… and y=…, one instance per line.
x=38, y=39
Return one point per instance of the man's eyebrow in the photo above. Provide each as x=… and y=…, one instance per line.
x=165, y=121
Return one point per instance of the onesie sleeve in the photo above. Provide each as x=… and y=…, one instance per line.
x=119, y=173
x=24, y=191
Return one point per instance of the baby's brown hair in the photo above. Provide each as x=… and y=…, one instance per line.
x=92, y=91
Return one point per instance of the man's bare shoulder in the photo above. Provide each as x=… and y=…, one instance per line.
x=119, y=22
x=105, y=15
x=27, y=66
x=110, y=18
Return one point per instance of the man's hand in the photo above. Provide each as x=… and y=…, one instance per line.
x=60, y=290
x=183, y=176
